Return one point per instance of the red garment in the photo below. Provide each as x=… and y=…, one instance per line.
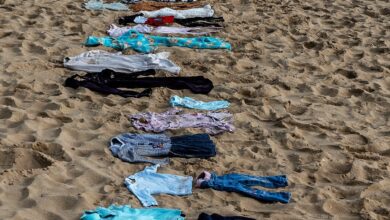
x=160, y=20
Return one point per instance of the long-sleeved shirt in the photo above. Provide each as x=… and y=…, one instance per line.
x=212, y=122
x=147, y=182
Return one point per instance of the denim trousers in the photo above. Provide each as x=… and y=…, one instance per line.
x=242, y=183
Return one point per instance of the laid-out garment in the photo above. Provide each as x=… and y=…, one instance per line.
x=242, y=183
x=116, y=31
x=139, y=19
x=98, y=82
x=99, y=5
x=211, y=122
x=125, y=212
x=204, y=216
x=97, y=60
x=146, y=147
x=166, y=20
x=110, y=82
x=148, y=182
x=148, y=43
x=188, y=102
x=201, y=22
x=151, y=6
x=205, y=11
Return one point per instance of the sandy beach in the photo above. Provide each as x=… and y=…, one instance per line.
x=309, y=86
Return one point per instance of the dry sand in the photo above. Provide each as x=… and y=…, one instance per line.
x=309, y=84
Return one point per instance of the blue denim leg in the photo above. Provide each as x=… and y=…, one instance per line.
x=267, y=181
x=283, y=197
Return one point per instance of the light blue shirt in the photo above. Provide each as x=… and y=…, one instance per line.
x=125, y=212
x=195, y=104
x=147, y=182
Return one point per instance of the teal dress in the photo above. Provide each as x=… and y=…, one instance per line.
x=125, y=212
x=148, y=43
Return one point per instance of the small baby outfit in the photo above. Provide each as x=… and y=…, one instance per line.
x=147, y=182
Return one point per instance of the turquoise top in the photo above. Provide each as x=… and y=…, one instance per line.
x=125, y=212
x=195, y=104
x=148, y=43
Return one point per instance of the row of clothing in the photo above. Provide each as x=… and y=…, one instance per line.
x=125, y=212
x=120, y=74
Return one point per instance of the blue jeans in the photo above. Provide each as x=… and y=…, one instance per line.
x=242, y=183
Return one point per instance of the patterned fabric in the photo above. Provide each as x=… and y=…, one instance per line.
x=242, y=183
x=212, y=122
x=125, y=212
x=116, y=31
x=205, y=11
x=147, y=44
x=148, y=182
x=188, y=102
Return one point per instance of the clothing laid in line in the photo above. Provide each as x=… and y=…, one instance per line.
x=99, y=5
x=139, y=19
x=97, y=60
x=116, y=31
x=204, y=216
x=201, y=22
x=205, y=11
x=125, y=212
x=188, y=102
x=242, y=183
x=148, y=182
x=211, y=122
x=151, y=6
x=148, y=43
x=146, y=147
x=110, y=82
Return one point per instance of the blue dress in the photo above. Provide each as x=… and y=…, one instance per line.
x=124, y=212
x=148, y=43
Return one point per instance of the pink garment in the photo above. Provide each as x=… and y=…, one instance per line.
x=212, y=122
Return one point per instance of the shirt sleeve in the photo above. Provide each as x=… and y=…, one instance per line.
x=145, y=197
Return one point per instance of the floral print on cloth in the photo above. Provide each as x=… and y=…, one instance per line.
x=149, y=43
